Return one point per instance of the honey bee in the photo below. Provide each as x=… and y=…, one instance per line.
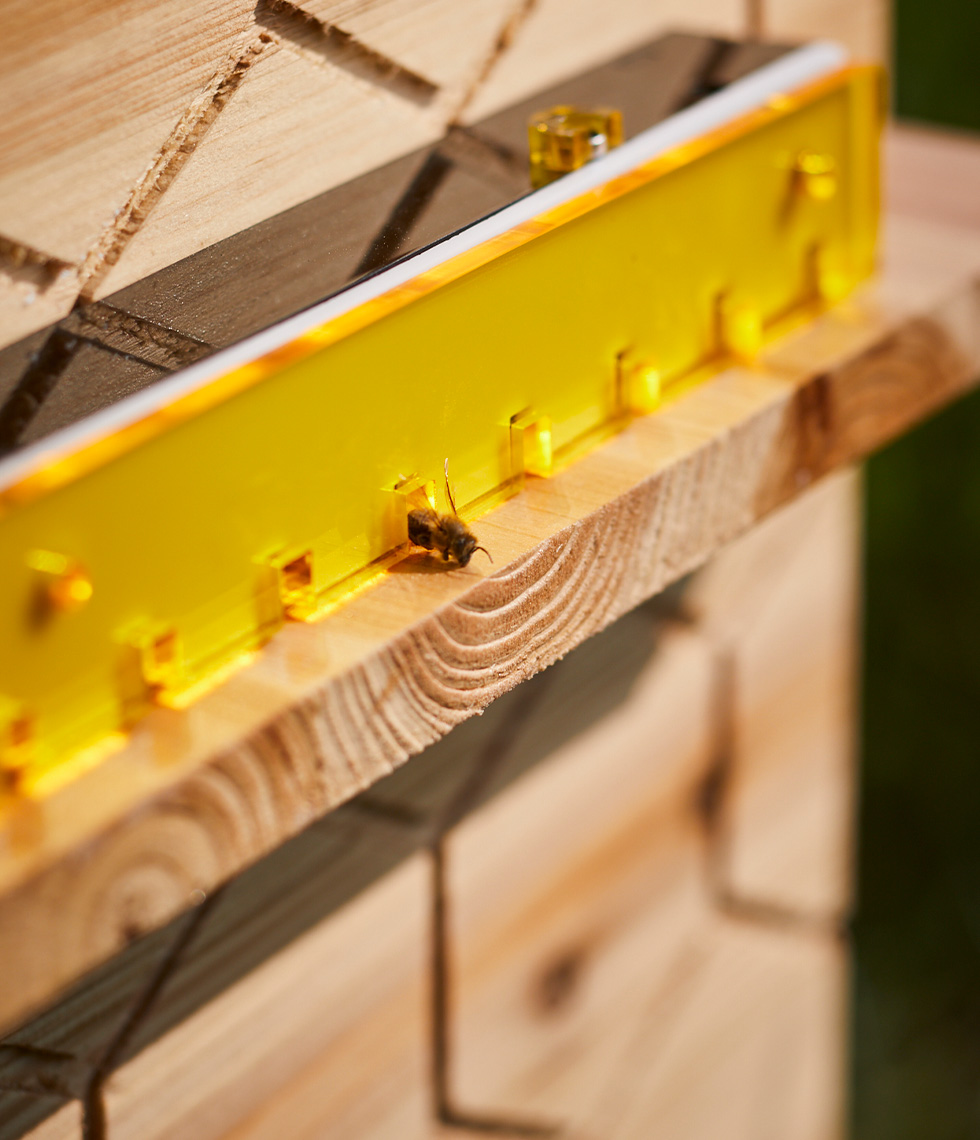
x=446, y=533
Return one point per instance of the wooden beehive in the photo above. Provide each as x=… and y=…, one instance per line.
x=633, y=922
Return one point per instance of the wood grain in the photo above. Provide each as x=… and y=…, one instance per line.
x=350, y=993
x=780, y=607
x=576, y=897
x=330, y=708
x=66, y=1124
x=628, y=726
x=77, y=134
x=556, y=38
x=861, y=25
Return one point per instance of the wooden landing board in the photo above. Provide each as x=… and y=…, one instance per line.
x=330, y=708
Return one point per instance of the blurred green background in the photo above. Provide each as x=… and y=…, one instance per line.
x=916, y=1057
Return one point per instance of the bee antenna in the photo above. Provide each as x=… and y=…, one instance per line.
x=485, y=551
x=449, y=493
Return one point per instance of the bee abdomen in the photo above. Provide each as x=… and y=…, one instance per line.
x=421, y=524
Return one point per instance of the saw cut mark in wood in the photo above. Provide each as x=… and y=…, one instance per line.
x=505, y=38
x=90, y=96
x=321, y=42
x=183, y=141
x=443, y=41
x=289, y=109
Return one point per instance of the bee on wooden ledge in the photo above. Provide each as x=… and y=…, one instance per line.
x=447, y=534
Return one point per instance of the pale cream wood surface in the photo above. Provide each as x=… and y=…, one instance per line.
x=861, y=25
x=444, y=41
x=577, y=897
x=553, y=39
x=329, y=708
x=65, y=1124
x=349, y=995
x=90, y=93
x=781, y=604
x=751, y=1043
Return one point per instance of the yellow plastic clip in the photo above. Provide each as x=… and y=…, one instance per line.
x=739, y=329
x=293, y=570
x=831, y=279
x=151, y=668
x=17, y=736
x=644, y=389
x=63, y=584
x=531, y=444
x=564, y=138
x=815, y=175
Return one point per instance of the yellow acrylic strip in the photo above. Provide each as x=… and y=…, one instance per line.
x=195, y=531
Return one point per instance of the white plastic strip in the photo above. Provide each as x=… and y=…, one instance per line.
x=792, y=71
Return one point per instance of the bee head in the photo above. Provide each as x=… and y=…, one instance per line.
x=462, y=547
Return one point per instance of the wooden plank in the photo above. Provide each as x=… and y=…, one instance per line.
x=550, y=40
x=780, y=606
x=78, y=134
x=777, y=432
x=66, y=1124
x=351, y=993
x=751, y=1042
x=287, y=107
x=575, y=897
x=79, y=138
x=595, y=986
x=330, y=708
x=861, y=25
